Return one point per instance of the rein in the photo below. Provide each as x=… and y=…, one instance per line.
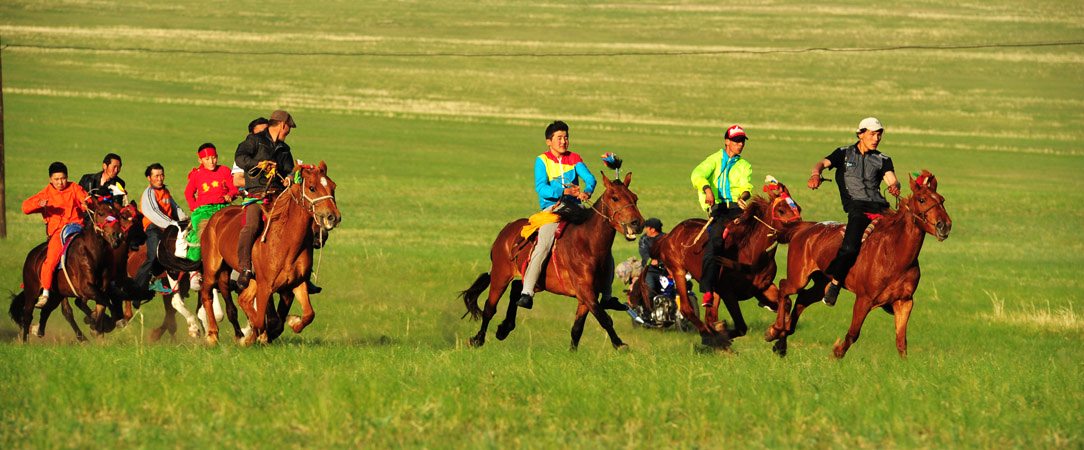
x=923, y=216
x=612, y=217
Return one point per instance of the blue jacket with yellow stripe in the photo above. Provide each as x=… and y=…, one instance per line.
x=553, y=174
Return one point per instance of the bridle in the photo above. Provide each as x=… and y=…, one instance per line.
x=923, y=213
x=612, y=218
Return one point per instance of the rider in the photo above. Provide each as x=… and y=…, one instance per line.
x=159, y=212
x=652, y=233
x=557, y=175
x=723, y=183
x=861, y=169
x=210, y=188
x=106, y=183
x=267, y=162
x=257, y=125
x=59, y=204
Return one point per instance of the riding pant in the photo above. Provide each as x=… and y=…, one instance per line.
x=143, y=276
x=857, y=221
x=253, y=217
x=721, y=217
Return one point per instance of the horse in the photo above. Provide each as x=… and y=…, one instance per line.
x=886, y=273
x=576, y=268
x=281, y=259
x=86, y=272
x=748, y=268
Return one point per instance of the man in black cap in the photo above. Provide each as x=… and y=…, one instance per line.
x=106, y=183
x=652, y=233
x=268, y=163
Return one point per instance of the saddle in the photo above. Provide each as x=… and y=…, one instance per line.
x=67, y=234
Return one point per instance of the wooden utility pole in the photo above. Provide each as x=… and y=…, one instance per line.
x=3, y=194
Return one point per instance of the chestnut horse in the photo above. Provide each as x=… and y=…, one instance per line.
x=85, y=275
x=577, y=265
x=281, y=263
x=748, y=268
x=886, y=273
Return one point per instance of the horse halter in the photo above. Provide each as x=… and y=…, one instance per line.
x=924, y=181
x=612, y=218
x=312, y=201
x=781, y=198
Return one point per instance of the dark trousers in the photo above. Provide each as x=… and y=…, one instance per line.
x=721, y=217
x=253, y=217
x=143, y=275
x=651, y=280
x=857, y=221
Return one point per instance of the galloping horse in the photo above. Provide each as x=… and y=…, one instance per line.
x=886, y=273
x=576, y=268
x=748, y=268
x=85, y=275
x=172, y=303
x=281, y=263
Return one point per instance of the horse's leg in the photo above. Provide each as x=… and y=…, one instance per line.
x=772, y=296
x=606, y=322
x=509, y=322
x=66, y=308
x=301, y=293
x=29, y=299
x=902, y=309
x=223, y=279
x=178, y=305
x=732, y=307
x=46, y=311
x=211, y=327
x=858, y=316
x=128, y=310
x=498, y=283
x=577, y=326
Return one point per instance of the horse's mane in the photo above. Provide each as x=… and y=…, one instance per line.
x=573, y=213
x=293, y=195
x=742, y=231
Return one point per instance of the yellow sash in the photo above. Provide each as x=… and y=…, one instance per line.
x=536, y=221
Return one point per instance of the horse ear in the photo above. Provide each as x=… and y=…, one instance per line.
x=605, y=179
x=931, y=180
x=628, y=179
x=323, y=167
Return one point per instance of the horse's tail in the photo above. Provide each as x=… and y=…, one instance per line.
x=470, y=296
x=16, y=308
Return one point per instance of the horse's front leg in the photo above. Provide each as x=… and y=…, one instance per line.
x=858, y=317
x=577, y=326
x=301, y=293
x=66, y=308
x=771, y=296
x=509, y=322
x=193, y=324
x=602, y=317
x=902, y=310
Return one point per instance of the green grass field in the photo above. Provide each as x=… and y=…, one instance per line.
x=429, y=115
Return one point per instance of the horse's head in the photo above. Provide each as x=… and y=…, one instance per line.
x=619, y=207
x=785, y=211
x=318, y=195
x=928, y=206
x=103, y=215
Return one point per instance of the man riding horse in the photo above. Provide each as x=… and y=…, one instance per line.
x=266, y=160
x=557, y=175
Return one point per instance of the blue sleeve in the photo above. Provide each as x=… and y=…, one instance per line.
x=543, y=186
x=588, y=179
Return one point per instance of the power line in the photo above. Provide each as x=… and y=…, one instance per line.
x=555, y=54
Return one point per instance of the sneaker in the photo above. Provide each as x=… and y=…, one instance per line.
x=244, y=278
x=831, y=294
x=194, y=281
x=768, y=306
x=707, y=300
x=526, y=301
x=159, y=288
x=614, y=304
x=42, y=300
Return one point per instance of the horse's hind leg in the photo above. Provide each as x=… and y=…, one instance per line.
x=169, y=322
x=178, y=305
x=902, y=309
x=497, y=285
x=606, y=322
x=45, y=313
x=66, y=308
x=577, y=326
x=509, y=322
x=858, y=316
x=740, y=327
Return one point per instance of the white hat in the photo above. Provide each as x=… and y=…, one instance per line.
x=870, y=123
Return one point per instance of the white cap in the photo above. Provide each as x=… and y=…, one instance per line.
x=870, y=123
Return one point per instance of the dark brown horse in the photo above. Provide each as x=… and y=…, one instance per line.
x=281, y=263
x=886, y=273
x=577, y=265
x=86, y=272
x=172, y=271
x=748, y=267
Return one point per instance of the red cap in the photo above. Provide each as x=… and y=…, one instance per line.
x=735, y=132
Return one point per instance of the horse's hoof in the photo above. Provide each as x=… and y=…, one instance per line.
x=476, y=341
x=81, y=338
x=156, y=334
x=573, y=347
x=212, y=339
x=837, y=349
x=37, y=331
x=294, y=322
x=122, y=323
x=780, y=348
x=503, y=332
x=622, y=347
x=716, y=341
x=262, y=338
x=719, y=326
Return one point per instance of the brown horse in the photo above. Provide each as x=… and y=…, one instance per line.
x=172, y=272
x=577, y=265
x=748, y=268
x=281, y=263
x=886, y=273
x=85, y=275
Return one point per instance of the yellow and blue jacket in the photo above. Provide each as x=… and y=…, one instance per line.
x=728, y=178
x=553, y=174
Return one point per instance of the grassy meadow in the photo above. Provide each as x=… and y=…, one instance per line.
x=429, y=115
